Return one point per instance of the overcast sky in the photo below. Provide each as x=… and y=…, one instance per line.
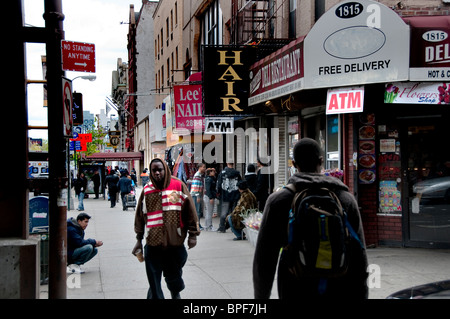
x=90, y=21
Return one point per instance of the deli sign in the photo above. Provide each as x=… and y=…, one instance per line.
x=430, y=48
x=347, y=100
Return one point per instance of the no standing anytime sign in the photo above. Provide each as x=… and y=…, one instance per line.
x=77, y=56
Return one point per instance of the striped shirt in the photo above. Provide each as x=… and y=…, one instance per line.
x=197, y=185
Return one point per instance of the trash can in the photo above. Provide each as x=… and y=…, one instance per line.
x=38, y=224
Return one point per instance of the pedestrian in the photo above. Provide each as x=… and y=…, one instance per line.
x=125, y=187
x=166, y=210
x=79, y=250
x=111, y=183
x=198, y=189
x=144, y=177
x=209, y=198
x=133, y=176
x=273, y=235
x=246, y=201
x=80, y=186
x=251, y=178
x=96, y=180
x=262, y=185
x=228, y=192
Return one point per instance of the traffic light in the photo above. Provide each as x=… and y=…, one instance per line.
x=77, y=110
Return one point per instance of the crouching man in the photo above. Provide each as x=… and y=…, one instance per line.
x=79, y=250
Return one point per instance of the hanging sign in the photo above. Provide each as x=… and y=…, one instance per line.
x=188, y=107
x=346, y=100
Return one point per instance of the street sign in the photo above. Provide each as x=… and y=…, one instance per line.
x=77, y=56
x=67, y=105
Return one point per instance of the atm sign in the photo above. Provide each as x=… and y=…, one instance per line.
x=348, y=100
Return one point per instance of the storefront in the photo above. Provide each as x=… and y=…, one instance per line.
x=351, y=94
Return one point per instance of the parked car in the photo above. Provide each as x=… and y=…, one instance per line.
x=433, y=290
x=434, y=188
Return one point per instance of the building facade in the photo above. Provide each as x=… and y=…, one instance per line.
x=334, y=71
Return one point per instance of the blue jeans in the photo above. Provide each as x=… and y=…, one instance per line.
x=83, y=254
x=237, y=233
x=168, y=261
x=198, y=206
x=80, y=201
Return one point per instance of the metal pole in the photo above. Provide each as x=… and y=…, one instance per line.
x=57, y=152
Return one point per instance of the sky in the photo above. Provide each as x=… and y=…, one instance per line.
x=89, y=21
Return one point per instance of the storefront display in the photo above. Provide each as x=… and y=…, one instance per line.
x=366, y=152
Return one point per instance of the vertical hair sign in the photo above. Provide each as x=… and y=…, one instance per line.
x=225, y=80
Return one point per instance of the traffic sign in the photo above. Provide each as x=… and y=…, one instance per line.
x=67, y=106
x=78, y=56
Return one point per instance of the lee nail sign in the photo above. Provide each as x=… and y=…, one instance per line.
x=188, y=107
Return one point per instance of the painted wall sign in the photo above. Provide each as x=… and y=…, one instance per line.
x=356, y=42
x=278, y=74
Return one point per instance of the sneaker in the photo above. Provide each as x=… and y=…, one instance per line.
x=74, y=268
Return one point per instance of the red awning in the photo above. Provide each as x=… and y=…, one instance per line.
x=118, y=156
x=428, y=21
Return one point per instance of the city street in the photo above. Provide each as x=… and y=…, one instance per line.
x=218, y=267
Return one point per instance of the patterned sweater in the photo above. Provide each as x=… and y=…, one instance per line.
x=167, y=214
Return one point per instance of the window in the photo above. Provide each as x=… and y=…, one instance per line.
x=162, y=39
x=162, y=77
x=212, y=24
x=292, y=13
x=168, y=71
x=172, y=77
x=167, y=31
x=176, y=14
x=171, y=24
x=332, y=142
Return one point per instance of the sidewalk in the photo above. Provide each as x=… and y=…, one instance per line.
x=218, y=267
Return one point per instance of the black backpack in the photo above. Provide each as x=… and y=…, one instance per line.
x=318, y=235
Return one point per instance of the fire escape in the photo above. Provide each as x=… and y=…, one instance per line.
x=253, y=23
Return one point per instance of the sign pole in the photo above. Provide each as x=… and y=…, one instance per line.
x=57, y=152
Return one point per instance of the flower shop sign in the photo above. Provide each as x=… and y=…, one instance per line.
x=417, y=93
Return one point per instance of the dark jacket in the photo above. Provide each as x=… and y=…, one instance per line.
x=125, y=186
x=210, y=187
x=75, y=238
x=80, y=185
x=252, y=181
x=111, y=182
x=273, y=236
x=227, y=185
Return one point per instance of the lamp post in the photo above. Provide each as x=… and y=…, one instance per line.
x=70, y=199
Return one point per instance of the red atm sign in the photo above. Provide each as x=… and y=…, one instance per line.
x=348, y=100
x=77, y=56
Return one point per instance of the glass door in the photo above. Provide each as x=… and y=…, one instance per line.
x=427, y=175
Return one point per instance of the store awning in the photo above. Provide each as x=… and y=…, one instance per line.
x=118, y=156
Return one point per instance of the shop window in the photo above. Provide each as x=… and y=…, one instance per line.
x=293, y=137
x=332, y=143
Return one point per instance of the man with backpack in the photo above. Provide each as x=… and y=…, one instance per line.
x=316, y=222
